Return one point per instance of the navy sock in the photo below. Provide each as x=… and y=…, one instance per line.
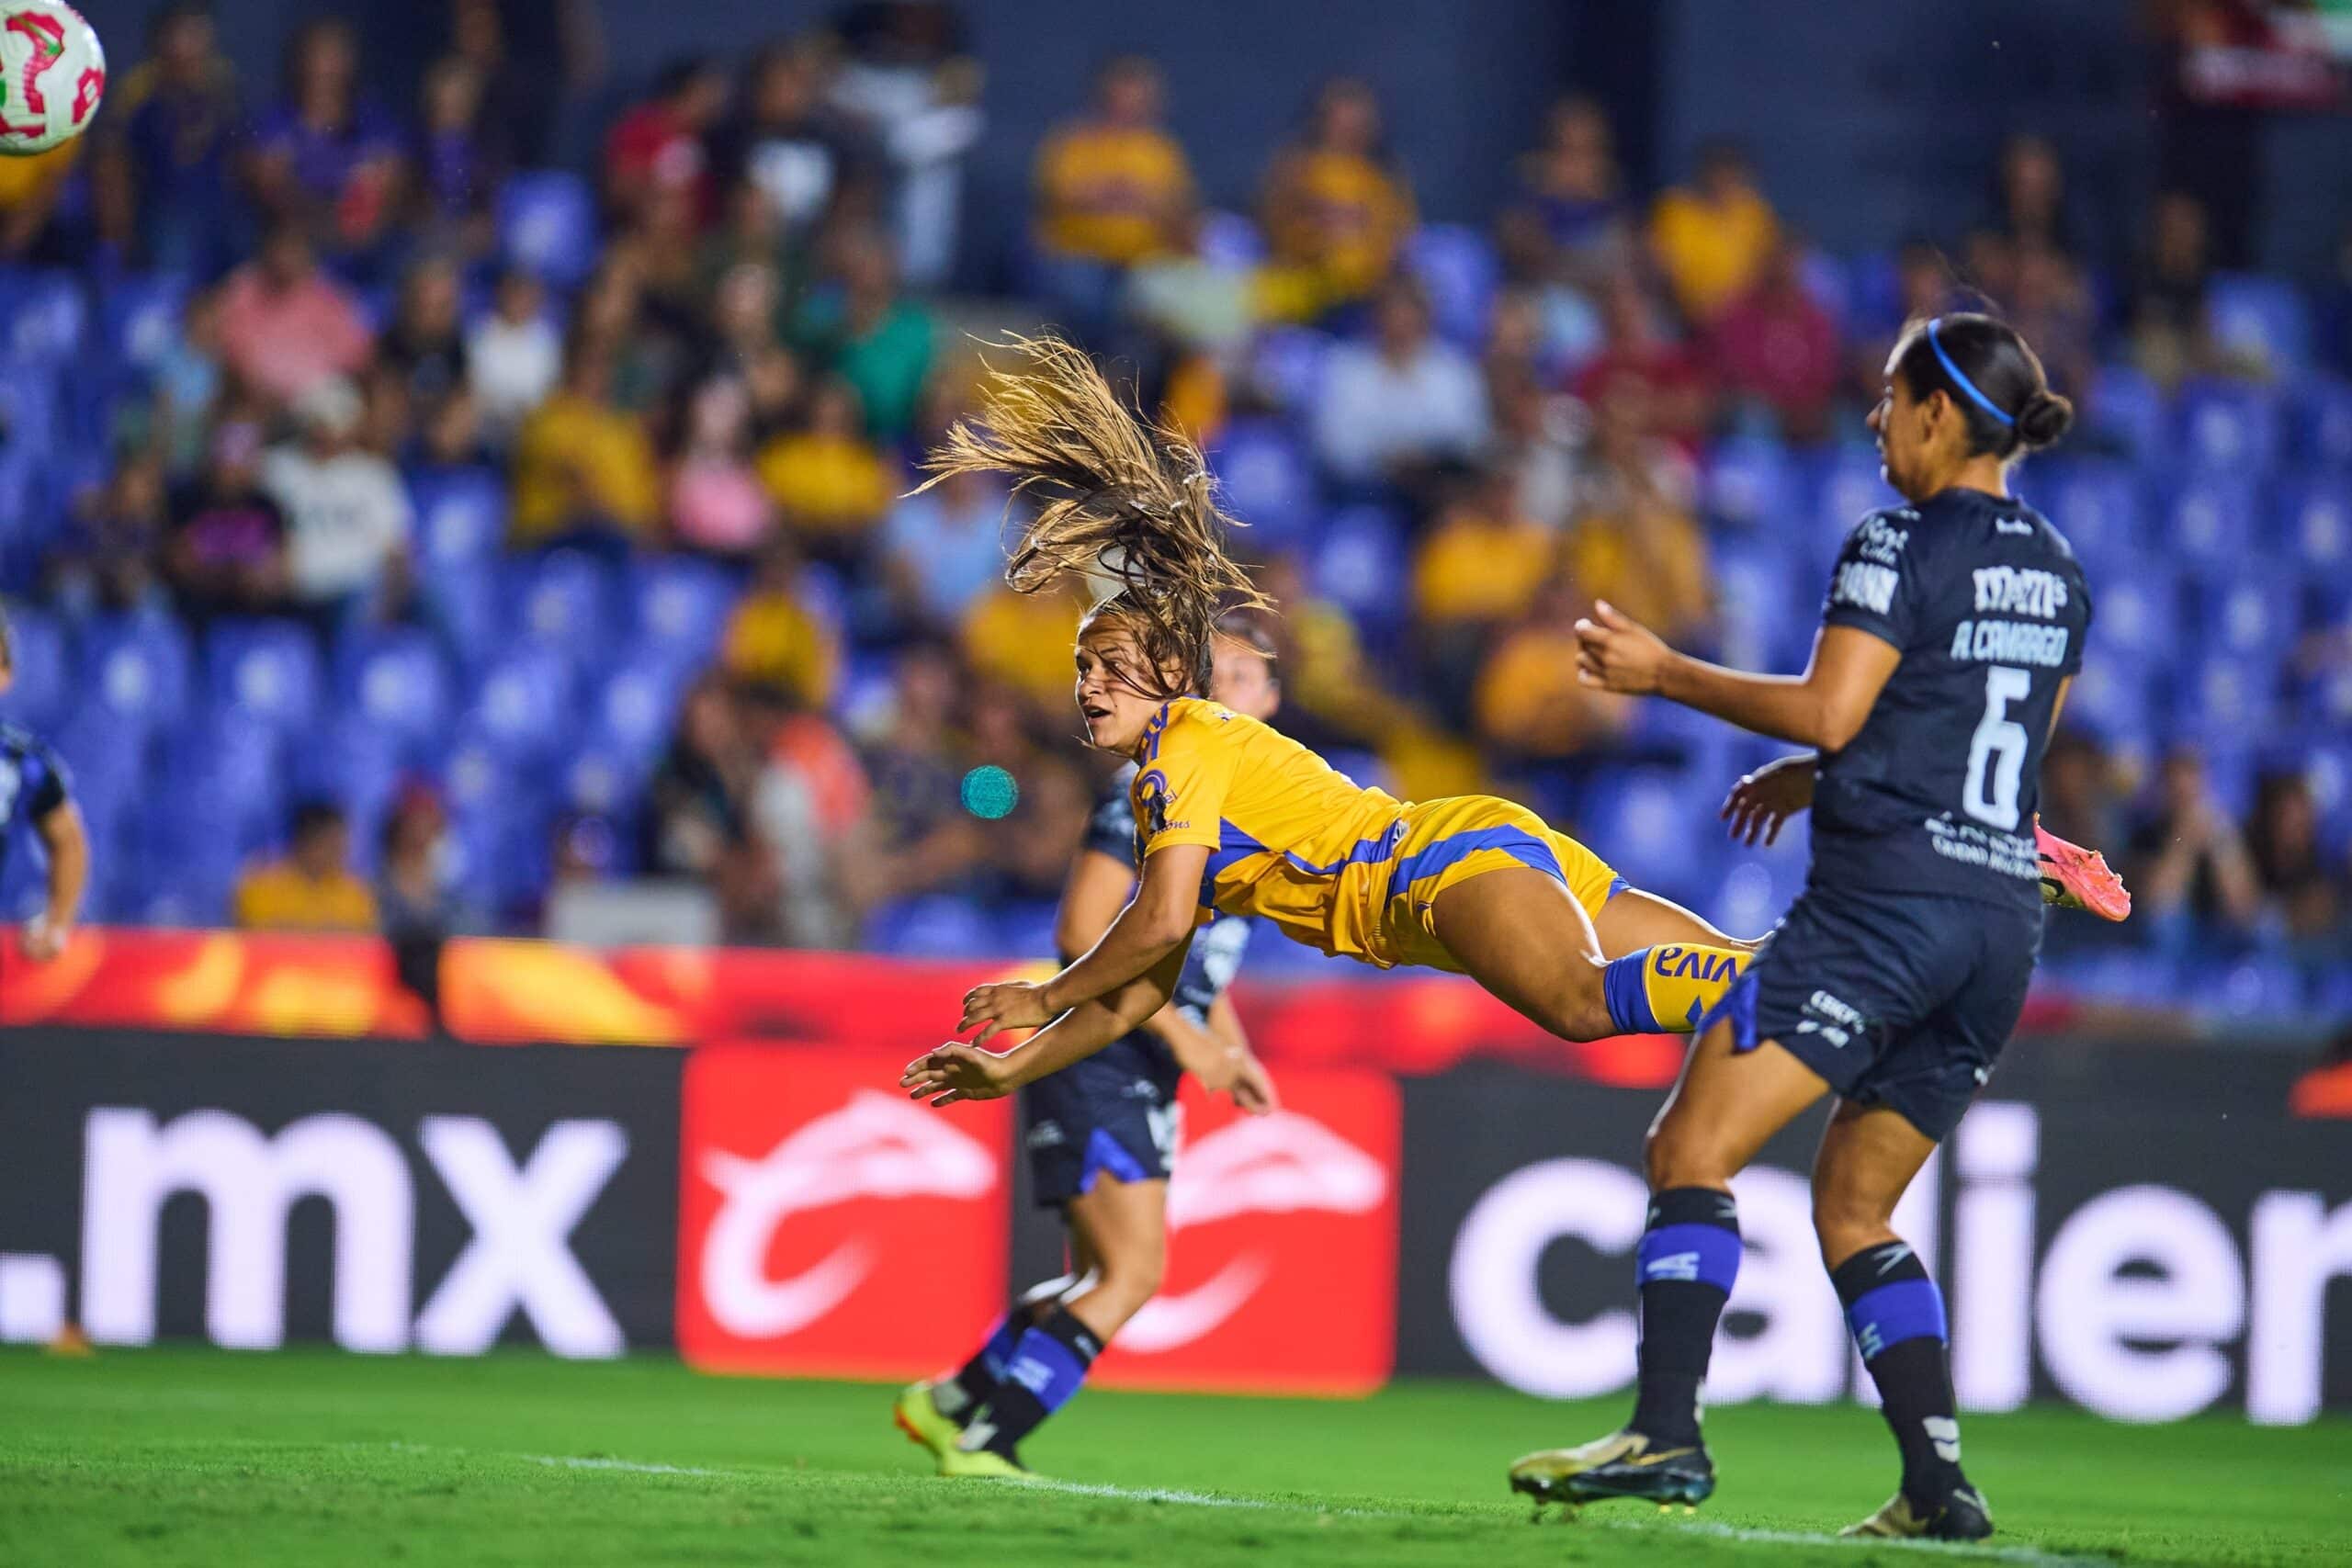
x=1050, y=1363
x=976, y=1382
x=1897, y=1317
x=1684, y=1269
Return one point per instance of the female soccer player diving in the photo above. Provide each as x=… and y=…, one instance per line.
x=1233, y=817
x=1102, y=1136
x=1953, y=626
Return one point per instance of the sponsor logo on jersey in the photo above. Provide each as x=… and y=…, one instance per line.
x=2020, y=590
x=1864, y=585
x=1878, y=540
x=1676, y=963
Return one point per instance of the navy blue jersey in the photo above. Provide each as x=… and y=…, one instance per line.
x=1217, y=947
x=1936, y=793
x=33, y=781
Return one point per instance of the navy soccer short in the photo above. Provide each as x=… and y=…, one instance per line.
x=1114, y=1112
x=1901, y=1001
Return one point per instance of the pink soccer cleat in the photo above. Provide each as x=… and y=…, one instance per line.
x=2077, y=879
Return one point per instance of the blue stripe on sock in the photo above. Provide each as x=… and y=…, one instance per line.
x=1047, y=1368
x=1908, y=1309
x=1702, y=1255
x=1626, y=996
x=997, y=1354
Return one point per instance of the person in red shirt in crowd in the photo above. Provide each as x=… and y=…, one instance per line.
x=1636, y=346
x=1776, y=350
x=284, y=325
x=661, y=142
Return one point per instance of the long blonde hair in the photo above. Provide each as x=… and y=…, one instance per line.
x=1119, y=499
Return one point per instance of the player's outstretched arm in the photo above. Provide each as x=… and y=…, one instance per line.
x=1823, y=708
x=1157, y=921
x=957, y=1071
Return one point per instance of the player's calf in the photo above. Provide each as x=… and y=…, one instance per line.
x=1896, y=1315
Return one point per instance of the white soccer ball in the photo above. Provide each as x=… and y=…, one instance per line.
x=53, y=74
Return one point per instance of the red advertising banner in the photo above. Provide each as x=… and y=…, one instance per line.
x=828, y=1226
x=1282, y=1245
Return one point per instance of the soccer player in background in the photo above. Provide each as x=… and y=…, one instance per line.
x=36, y=788
x=1102, y=1136
x=1953, y=627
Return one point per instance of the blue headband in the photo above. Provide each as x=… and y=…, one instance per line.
x=1962, y=382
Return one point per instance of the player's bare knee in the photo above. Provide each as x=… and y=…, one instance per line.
x=1846, y=1223
x=1678, y=1154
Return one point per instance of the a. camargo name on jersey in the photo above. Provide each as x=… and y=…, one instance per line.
x=2014, y=590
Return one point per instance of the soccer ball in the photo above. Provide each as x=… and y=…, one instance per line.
x=53, y=74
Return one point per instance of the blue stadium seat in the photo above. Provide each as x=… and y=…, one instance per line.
x=1749, y=483
x=680, y=606
x=2263, y=320
x=29, y=410
x=2249, y=608
x=1755, y=888
x=2322, y=421
x=2224, y=695
x=139, y=316
x=47, y=317
x=566, y=601
x=2315, y=512
x=2112, y=696
x=1286, y=364
x=1764, y=604
x=1848, y=488
x=547, y=222
x=1230, y=240
x=2095, y=502
x=352, y=762
x=2248, y=987
x=135, y=667
x=604, y=779
x=43, y=683
x=2130, y=411
x=1269, y=483
x=1657, y=825
x=270, y=668
x=461, y=518
x=524, y=705
x=1828, y=283
x=2327, y=768
x=637, y=708
x=2211, y=516
x=1458, y=269
x=1361, y=566
x=2138, y=609
x=933, y=926
x=2232, y=426
x=220, y=774
x=395, y=678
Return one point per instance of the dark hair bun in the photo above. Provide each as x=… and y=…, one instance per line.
x=2045, y=418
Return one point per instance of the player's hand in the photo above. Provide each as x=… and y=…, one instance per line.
x=1617, y=653
x=1253, y=1088
x=1010, y=1004
x=1761, y=801
x=957, y=1072
x=40, y=940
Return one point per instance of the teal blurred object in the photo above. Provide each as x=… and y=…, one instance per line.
x=990, y=792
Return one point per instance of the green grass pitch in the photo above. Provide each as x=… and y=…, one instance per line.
x=199, y=1457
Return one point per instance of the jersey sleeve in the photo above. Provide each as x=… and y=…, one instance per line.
x=43, y=781
x=1875, y=586
x=1179, y=795
x=2081, y=639
x=1111, y=830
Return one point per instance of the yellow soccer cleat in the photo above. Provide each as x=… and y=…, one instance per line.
x=1623, y=1464
x=981, y=1463
x=919, y=1417
x=1962, y=1517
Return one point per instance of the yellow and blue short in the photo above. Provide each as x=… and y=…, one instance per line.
x=1443, y=843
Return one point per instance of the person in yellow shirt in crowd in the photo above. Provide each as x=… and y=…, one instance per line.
x=1335, y=214
x=776, y=642
x=1477, y=569
x=583, y=469
x=1022, y=640
x=831, y=485
x=1528, y=703
x=1635, y=540
x=1714, y=235
x=1112, y=189
x=28, y=191
x=312, y=888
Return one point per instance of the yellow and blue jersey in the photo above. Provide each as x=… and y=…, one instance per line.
x=1338, y=866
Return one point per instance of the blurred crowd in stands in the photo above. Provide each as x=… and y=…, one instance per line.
x=402, y=534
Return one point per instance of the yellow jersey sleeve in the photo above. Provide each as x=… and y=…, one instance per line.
x=1180, y=792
